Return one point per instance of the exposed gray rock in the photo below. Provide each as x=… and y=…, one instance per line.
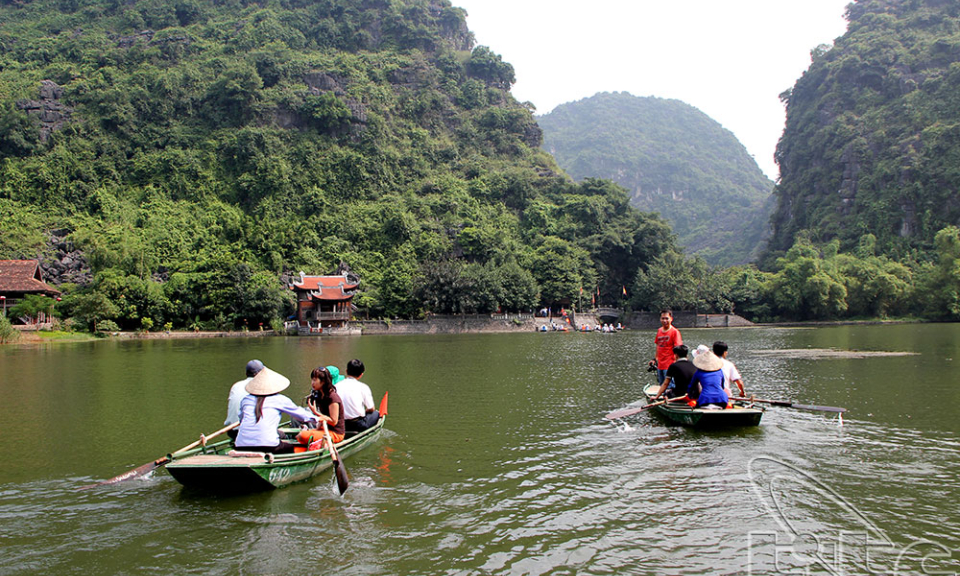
x=53, y=113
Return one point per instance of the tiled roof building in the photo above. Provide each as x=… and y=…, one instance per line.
x=325, y=301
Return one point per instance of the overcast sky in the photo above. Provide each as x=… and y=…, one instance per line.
x=731, y=59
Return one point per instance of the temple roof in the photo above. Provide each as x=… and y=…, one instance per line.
x=23, y=276
x=333, y=288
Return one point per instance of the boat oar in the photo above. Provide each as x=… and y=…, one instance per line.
x=787, y=404
x=631, y=411
x=339, y=469
x=151, y=466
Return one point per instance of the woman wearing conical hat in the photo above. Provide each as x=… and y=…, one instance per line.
x=709, y=376
x=261, y=411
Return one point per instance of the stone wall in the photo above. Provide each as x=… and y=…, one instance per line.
x=651, y=320
x=458, y=324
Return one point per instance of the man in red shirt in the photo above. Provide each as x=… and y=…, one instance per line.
x=667, y=337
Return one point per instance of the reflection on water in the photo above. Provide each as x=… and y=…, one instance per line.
x=496, y=459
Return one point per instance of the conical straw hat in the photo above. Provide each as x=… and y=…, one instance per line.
x=706, y=361
x=267, y=382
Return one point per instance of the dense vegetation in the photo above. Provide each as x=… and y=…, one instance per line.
x=813, y=281
x=673, y=159
x=872, y=141
x=195, y=151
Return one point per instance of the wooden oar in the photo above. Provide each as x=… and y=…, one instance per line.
x=787, y=404
x=631, y=411
x=151, y=466
x=339, y=469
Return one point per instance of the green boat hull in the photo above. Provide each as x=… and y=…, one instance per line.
x=680, y=413
x=213, y=469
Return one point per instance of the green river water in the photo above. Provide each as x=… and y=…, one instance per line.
x=496, y=459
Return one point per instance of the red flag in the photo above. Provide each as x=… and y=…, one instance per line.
x=598, y=291
x=593, y=300
x=581, y=290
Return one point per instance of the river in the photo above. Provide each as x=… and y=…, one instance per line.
x=496, y=459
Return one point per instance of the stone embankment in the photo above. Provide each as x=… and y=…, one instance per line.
x=480, y=323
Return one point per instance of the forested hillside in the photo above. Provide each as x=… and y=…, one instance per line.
x=872, y=141
x=173, y=159
x=673, y=159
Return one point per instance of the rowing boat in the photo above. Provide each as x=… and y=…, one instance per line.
x=704, y=418
x=219, y=467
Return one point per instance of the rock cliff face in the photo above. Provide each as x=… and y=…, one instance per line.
x=63, y=261
x=53, y=113
x=873, y=132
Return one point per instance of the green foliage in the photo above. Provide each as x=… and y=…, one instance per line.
x=32, y=306
x=488, y=66
x=214, y=146
x=677, y=283
x=7, y=332
x=90, y=308
x=674, y=160
x=107, y=326
x=872, y=139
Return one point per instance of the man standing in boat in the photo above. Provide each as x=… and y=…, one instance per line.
x=666, y=339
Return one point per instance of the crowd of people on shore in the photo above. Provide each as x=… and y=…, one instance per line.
x=336, y=406
x=704, y=382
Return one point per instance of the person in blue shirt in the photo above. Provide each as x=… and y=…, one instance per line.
x=261, y=411
x=709, y=376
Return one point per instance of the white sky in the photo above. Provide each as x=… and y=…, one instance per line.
x=731, y=59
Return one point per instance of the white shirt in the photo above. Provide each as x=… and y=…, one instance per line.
x=237, y=392
x=730, y=375
x=356, y=397
x=264, y=432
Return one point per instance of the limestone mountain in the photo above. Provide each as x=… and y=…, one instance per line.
x=872, y=140
x=672, y=159
x=193, y=151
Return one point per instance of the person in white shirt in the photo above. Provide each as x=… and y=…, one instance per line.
x=261, y=411
x=357, y=399
x=730, y=373
x=237, y=392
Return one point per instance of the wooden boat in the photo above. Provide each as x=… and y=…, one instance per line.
x=219, y=467
x=683, y=414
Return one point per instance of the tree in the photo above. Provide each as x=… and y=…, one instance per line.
x=487, y=65
x=90, y=308
x=32, y=306
x=805, y=286
x=7, y=332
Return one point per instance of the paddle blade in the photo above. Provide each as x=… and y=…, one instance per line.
x=340, y=471
x=624, y=413
x=135, y=473
x=383, y=405
x=819, y=408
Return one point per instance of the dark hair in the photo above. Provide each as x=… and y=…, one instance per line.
x=670, y=312
x=719, y=348
x=326, y=380
x=355, y=368
x=258, y=409
x=681, y=350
